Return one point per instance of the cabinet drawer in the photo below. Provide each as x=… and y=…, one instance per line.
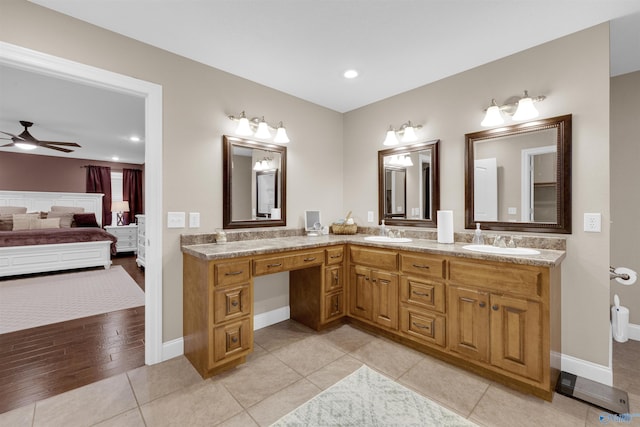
x=423, y=265
x=514, y=279
x=422, y=293
x=425, y=327
x=268, y=265
x=384, y=260
x=333, y=279
x=232, y=302
x=303, y=260
x=334, y=255
x=234, y=339
x=230, y=273
x=333, y=306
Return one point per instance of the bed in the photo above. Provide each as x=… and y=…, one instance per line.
x=35, y=251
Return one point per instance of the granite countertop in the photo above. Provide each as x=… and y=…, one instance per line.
x=214, y=251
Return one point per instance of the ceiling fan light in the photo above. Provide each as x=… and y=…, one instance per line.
x=263, y=130
x=391, y=138
x=281, y=135
x=26, y=145
x=493, y=116
x=525, y=110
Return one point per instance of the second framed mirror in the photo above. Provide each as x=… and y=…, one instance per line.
x=409, y=184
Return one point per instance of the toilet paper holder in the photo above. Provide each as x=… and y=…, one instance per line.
x=614, y=275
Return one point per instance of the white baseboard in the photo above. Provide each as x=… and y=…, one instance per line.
x=269, y=318
x=173, y=348
x=634, y=332
x=586, y=369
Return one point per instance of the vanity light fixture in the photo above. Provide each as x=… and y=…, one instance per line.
x=523, y=109
x=401, y=160
x=263, y=165
x=259, y=128
x=407, y=130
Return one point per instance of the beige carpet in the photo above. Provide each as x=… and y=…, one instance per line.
x=43, y=300
x=367, y=398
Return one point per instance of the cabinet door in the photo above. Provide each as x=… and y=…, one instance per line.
x=333, y=306
x=232, y=340
x=516, y=336
x=469, y=322
x=360, y=293
x=385, y=299
x=333, y=279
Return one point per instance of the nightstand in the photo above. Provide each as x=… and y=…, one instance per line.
x=127, y=237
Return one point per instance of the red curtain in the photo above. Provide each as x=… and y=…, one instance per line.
x=99, y=181
x=133, y=193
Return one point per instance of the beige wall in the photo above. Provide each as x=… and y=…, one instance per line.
x=196, y=101
x=454, y=106
x=625, y=180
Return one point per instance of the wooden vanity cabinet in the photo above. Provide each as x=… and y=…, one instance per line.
x=373, y=293
x=217, y=314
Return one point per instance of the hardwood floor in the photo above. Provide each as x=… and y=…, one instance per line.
x=45, y=361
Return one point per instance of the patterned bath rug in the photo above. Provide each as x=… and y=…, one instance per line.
x=367, y=398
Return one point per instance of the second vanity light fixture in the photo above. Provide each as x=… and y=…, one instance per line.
x=523, y=109
x=259, y=128
x=407, y=130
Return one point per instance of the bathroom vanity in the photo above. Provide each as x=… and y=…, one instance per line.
x=496, y=315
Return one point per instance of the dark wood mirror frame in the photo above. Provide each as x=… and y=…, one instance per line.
x=435, y=183
x=228, y=142
x=562, y=125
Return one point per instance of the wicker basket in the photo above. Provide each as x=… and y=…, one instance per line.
x=344, y=228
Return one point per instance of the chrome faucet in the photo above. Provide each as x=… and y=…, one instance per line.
x=499, y=242
x=513, y=242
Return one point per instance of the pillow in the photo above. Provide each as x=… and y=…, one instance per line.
x=6, y=222
x=23, y=221
x=10, y=210
x=66, y=218
x=85, y=220
x=45, y=223
x=72, y=209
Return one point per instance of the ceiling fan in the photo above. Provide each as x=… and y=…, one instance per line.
x=28, y=142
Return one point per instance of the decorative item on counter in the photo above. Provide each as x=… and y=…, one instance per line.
x=478, y=238
x=221, y=237
x=345, y=226
x=445, y=226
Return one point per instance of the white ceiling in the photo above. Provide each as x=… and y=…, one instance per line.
x=302, y=47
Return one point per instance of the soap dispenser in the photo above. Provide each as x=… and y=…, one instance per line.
x=383, y=229
x=478, y=238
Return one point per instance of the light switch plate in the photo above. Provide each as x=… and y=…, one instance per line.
x=592, y=222
x=175, y=219
x=370, y=216
x=194, y=219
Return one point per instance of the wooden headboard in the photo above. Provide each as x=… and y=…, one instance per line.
x=41, y=201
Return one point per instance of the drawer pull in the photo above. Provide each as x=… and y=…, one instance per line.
x=234, y=340
x=421, y=294
x=495, y=307
x=420, y=266
x=336, y=278
x=482, y=304
x=234, y=303
x=335, y=256
x=421, y=326
x=233, y=273
x=385, y=281
x=274, y=265
x=310, y=259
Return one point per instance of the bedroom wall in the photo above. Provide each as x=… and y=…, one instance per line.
x=29, y=172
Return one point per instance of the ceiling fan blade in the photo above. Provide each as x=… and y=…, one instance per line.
x=11, y=135
x=70, y=144
x=8, y=145
x=64, y=150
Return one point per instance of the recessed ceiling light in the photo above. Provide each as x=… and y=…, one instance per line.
x=134, y=139
x=350, y=74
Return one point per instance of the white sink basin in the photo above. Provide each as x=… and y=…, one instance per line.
x=488, y=249
x=385, y=239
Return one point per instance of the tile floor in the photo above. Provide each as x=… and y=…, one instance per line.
x=290, y=365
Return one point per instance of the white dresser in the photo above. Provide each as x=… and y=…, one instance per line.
x=127, y=237
x=140, y=260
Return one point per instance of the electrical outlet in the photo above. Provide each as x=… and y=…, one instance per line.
x=370, y=216
x=592, y=222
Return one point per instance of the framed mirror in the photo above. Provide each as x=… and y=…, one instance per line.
x=254, y=183
x=409, y=184
x=518, y=177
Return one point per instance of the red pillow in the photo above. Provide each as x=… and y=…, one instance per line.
x=85, y=220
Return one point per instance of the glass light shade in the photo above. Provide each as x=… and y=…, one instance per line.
x=391, y=138
x=493, y=117
x=263, y=130
x=525, y=110
x=257, y=166
x=244, y=128
x=406, y=161
x=409, y=134
x=281, y=135
x=26, y=145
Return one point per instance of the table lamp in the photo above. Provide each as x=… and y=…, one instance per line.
x=120, y=207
